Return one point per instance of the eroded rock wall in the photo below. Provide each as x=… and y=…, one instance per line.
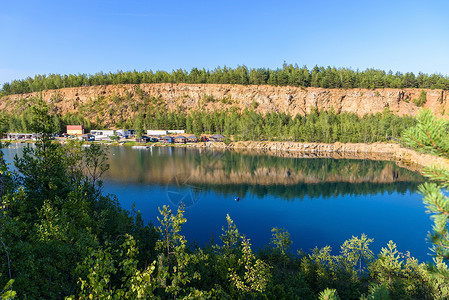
x=293, y=100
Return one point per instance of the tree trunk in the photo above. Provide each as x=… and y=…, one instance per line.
x=2, y=177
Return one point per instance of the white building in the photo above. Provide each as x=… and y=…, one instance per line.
x=121, y=133
x=157, y=132
x=103, y=132
x=176, y=131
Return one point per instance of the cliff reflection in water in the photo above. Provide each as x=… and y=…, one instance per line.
x=232, y=173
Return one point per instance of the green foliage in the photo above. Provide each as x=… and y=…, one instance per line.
x=324, y=126
x=392, y=275
x=328, y=294
x=281, y=240
x=51, y=215
x=438, y=205
x=138, y=125
x=378, y=292
x=95, y=163
x=174, y=263
x=398, y=275
x=5, y=175
x=231, y=236
x=388, y=265
x=356, y=253
x=106, y=267
x=438, y=274
x=421, y=100
x=171, y=241
x=292, y=75
x=345, y=272
x=431, y=135
x=7, y=293
x=115, y=138
x=256, y=272
x=254, y=105
x=116, y=273
x=22, y=118
x=173, y=259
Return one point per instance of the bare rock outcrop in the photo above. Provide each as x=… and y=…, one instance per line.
x=124, y=100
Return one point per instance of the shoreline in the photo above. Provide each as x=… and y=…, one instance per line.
x=403, y=157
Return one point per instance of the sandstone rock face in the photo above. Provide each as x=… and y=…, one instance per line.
x=261, y=98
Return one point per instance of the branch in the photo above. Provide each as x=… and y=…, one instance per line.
x=435, y=146
x=441, y=209
x=434, y=172
x=7, y=256
x=446, y=256
x=416, y=141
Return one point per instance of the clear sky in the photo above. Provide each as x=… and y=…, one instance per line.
x=88, y=36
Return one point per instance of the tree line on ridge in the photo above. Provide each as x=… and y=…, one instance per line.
x=288, y=75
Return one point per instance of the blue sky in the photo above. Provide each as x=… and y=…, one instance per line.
x=81, y=36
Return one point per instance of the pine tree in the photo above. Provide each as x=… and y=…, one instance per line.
x=431, y=135
x=138, y=125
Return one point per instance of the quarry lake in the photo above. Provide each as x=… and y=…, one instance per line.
x=318, y=201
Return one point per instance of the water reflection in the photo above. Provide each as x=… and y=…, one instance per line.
x=230, y=173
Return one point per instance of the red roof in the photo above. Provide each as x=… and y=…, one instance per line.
x=74, y=127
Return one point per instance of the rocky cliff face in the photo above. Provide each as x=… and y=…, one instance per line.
x=127, y=99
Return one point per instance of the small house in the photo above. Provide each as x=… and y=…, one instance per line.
x=166, y=139
x=180, y=139
x=217, y=138
x=147, y=139
x=142, y=139
x=192, y=139
x=75, y=129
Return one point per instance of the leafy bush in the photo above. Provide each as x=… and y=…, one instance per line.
x=421, y=100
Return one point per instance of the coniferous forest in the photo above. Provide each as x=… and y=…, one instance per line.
x=291, y=75
x=61, y=236
x=317, y=126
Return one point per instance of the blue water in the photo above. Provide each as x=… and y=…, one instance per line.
x=318, y=201
x=310, y=221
